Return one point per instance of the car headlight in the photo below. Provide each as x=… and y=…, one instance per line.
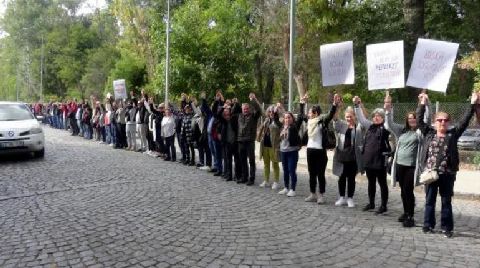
x=36, y=130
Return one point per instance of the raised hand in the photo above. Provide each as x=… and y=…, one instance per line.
x=252, y=96
x=203, y=95
x=475, y=98
x=337, y=99
x=357, y=100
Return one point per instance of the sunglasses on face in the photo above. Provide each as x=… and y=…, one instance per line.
x=442, y=120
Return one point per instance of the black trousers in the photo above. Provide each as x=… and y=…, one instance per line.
x=190, y=153
x=317, y=163
x=204, y=154
x=170, y=147
x=380, y=175
x=349, y=173
x=121, y=141
x=246, y=153
x=405, y=176
x=230, y=155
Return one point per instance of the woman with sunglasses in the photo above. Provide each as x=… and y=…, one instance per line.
x=440, y=154
x=405, y=162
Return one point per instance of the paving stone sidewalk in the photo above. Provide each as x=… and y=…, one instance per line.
x=88, y=205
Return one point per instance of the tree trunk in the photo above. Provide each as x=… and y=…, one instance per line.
x=259, y=75
x=298, y=76
x=414, y=16
x=268, y=90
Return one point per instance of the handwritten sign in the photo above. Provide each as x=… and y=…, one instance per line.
x=385, y=65
x=337, y=63
x=120, y=89
x=432, y=64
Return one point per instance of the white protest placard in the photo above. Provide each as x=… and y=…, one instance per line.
x=385, y=65
x=120, y=89
x=432, y=64
x=337, y=63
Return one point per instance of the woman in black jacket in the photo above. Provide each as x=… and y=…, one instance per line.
x=440, y=154
x=375, y=148
x=290, y=144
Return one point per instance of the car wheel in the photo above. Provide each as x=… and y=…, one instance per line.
x=39, y=154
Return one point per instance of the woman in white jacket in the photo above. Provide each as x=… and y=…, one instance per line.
x=168, y=135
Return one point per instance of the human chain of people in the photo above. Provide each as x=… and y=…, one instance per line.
x=223, y=133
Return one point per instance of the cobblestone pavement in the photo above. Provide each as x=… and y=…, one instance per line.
x=88, y=205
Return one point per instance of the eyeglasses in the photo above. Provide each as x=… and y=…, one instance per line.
x=442, y=120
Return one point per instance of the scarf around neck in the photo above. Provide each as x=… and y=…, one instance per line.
x=312, y=125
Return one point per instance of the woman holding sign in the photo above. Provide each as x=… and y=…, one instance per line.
x=405, y=163
x=439, y=162
x=375, y=149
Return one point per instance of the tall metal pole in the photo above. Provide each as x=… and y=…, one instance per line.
x=167, y=54
x=291, y=54
x=41, y=73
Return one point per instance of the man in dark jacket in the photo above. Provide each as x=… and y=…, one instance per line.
x=247, y=129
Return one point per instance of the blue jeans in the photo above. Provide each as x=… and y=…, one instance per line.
x=218, y=155
x=211, y=145
x=444, y=185
x=108, y=134
x=80, y=126
x=113, y=133
x=289, y=164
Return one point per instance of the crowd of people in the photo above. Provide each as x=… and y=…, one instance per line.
x=223, y=133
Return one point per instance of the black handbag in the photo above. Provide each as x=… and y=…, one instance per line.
x=329, y=141
x=345, y=155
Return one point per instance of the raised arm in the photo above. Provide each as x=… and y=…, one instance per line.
x=465, y=121
x=421, y=124
x=255, y=105
x=359, y=113
x=391, y=126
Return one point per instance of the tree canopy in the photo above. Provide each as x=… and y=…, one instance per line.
x=237, y=46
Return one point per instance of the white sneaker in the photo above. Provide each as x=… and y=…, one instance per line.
x=320, y=199
x=111, y=144
x=146, y=152
x=275, y=186
x=341, y=201
x=350, y=203
x=204, y=168
x=264, y=184
x=284, y=191
x=311, y=198
x=291, y=193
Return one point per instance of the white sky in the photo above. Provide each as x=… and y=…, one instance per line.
x=88, y=7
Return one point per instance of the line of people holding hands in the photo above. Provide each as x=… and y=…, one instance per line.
x=225, y=132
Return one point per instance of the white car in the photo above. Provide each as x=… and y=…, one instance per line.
x=20, y=131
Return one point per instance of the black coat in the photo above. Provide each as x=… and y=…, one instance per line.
x=452, y=137
x=375, y=147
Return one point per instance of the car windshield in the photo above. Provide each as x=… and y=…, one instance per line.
x=14, y=112
x=471, y=133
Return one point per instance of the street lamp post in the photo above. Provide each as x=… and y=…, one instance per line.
x=167, y=54
x=291, y=54
x=41, y=72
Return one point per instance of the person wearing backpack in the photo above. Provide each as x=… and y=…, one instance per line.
x=317, y=145
x=376, y=147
